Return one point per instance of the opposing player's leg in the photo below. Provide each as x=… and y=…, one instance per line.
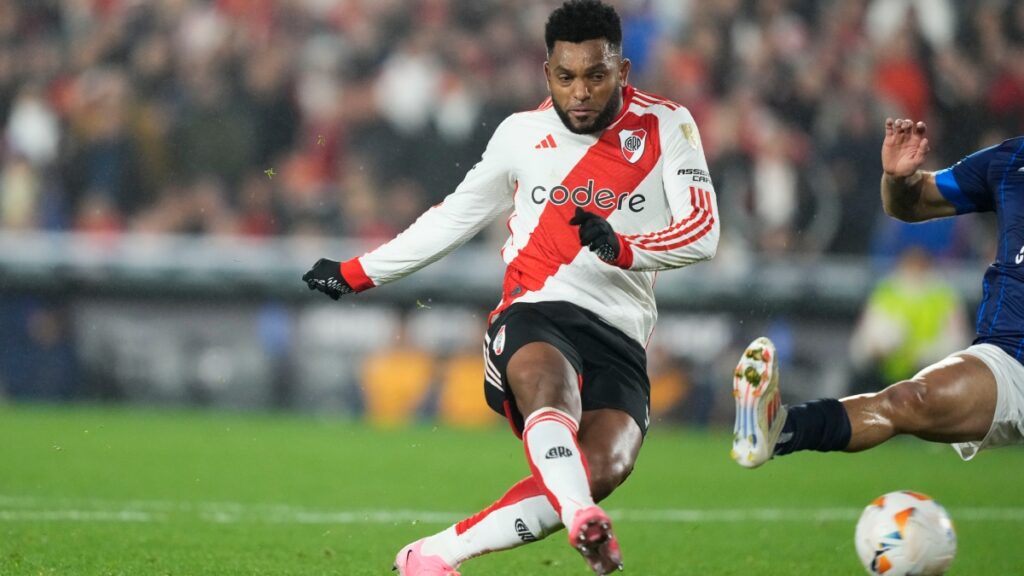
x=952, y=401
x=610, y=440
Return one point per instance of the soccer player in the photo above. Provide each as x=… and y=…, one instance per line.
x=972, y=399
x=608, y=185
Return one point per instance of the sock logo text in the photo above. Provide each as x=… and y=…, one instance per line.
x=558, y=452
x=524, y=532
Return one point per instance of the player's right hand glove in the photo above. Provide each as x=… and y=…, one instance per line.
x=598, y=235
x=326, y=277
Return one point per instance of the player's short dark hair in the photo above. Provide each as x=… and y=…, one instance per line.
x=581, y=20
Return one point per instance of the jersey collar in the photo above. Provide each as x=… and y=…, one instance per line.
x=627, y=99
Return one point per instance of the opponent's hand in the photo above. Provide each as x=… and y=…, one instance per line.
x=904, y=147
x=597, y=234
x=326, y=277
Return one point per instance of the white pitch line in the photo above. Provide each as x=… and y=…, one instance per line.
x=77, y=516
x=39, y=509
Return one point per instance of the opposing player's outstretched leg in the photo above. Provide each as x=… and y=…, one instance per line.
x=760, y=414
x=951, y=401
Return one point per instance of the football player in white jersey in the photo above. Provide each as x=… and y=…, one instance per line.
x=607, y=185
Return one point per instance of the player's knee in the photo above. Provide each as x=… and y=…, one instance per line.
x=607, y=472
x=910, y=406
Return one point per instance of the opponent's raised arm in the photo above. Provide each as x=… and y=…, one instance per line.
x=485, y=192
x=909, y=193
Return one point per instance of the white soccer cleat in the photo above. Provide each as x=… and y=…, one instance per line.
x=760, y=414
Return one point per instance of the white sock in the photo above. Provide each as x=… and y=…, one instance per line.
x=521, y=516
x=557, y=462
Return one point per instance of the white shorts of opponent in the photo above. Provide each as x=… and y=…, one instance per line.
x=1008, y=421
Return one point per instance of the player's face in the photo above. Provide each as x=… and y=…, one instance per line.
x=586, y=81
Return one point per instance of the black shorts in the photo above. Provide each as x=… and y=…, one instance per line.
x=613, y=366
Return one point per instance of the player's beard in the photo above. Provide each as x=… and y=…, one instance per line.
x=601, y=121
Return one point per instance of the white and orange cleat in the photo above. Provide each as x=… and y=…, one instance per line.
x=591, y=534
x=760, y=414
x=411, y=561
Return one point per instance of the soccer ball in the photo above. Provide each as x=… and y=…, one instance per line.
x=905, y=534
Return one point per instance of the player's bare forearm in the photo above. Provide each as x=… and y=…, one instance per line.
x=901, y=194
x=914, y=198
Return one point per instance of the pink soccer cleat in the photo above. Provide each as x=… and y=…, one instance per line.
x=410, y=561
x=591, y=534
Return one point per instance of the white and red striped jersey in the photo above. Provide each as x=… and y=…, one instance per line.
x=646, y=173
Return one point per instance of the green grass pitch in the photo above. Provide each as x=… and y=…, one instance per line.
x=144, y=492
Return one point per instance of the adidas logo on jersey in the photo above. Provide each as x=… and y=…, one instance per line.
x=548, y=142
x=558, y=452
x=524, y=531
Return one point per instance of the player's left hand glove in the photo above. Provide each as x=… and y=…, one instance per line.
x=326, y=277
x=597, y=234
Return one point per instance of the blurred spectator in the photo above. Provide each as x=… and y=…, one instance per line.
x=216, y=133
x=671, y=384
x=32, y=128
x=935, y=20
x=1006, y=98
x=19, y=195
x=912, y=319
x=259, y=212
x=901, y=77
x=397, y=380
x=102, y=151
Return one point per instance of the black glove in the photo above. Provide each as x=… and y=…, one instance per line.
x=326, y=277
x=597, y=234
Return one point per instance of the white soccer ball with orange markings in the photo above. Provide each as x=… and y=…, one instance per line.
x=905, y=534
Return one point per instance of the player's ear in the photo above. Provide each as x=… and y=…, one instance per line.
x=624, y=68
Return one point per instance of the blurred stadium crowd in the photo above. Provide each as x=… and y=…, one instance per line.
x=350, y=117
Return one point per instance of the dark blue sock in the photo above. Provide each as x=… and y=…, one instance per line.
x=821, y=425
